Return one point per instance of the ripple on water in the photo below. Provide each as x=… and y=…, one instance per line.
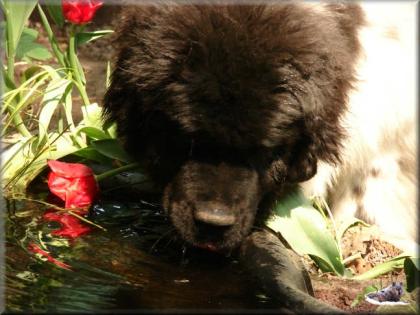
x=136, y=264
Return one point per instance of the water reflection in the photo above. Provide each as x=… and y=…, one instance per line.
x=137, y=264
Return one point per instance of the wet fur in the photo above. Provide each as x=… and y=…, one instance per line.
x=228, y=106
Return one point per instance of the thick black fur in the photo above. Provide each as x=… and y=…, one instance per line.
x=225, y=105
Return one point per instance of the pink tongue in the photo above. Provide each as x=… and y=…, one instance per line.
x=208, y=246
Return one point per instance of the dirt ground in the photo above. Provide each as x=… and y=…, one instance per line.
x=364, y=240
x=373, y=251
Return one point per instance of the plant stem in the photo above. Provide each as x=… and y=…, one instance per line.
x=56, y=49
x=117, y=171
x=75, y=68
x=82, y=91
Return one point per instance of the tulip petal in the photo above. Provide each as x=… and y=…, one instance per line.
x=80, y=11
x=58, y=185
x=73, y=183
x=69, y=170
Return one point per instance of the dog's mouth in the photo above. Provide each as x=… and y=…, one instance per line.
x=210, y=237
x=209, y=246
x=213, y=206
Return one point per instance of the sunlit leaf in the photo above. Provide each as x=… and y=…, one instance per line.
x=94, y=133
x=24, y=101
x=344, y=225
x=11, y=154
x=86, y=37
x=53, y=95
x=93, y=115
x=306, y=231
x=110, y=129
x=17, y=14
x=27, y=87
x=27, y=164
x=390, y=265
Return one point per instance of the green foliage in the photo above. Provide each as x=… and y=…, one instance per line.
x=346, y=224
x=37, y=111
x=86, y=37
x=411, y=269
x=361, y=296
x=308, y=232
x=111, y=148
x=55, y=11
x=390, y=265
x=94, y=133
x=16, y=13
x=28, y=48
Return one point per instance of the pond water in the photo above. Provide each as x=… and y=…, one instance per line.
x=137, y=264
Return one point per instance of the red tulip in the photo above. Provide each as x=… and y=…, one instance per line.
x=74, y=183
x=80, y=11
x=71, y=226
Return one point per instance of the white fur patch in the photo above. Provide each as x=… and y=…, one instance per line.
x=378, y=177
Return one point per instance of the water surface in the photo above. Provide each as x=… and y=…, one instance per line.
x=137, y=264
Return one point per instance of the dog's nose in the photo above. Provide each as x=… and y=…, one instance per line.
x=217, y=216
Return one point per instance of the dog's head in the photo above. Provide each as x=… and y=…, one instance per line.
x=227, y=104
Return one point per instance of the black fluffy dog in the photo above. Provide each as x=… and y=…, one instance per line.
x=228, y=105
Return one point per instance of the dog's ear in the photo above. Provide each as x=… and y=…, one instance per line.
x=303, y=164
x=320, y=127
x=133, y=69
x=349, y=17
x=324, y=94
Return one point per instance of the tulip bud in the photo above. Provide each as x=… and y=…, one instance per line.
x=80, y=11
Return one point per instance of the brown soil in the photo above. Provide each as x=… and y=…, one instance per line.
x=342, y=292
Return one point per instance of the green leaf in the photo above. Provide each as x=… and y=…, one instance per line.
x=112, y=149
x=94, y=133
x=390, y=265
x=93, y=115
x=361, y=296
x=38, y=52
x=23, y=102
x=86, y=37
x=27, y=163
x=52, y=97
x=11, y=154
x=92, y=154
x=55, y=11
x=27, y=47
x=16, y=14
x=30, y=72
x=111, y=129
x=306, y=231
x=346, y=224
x=15, y=94
x=411, y=269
